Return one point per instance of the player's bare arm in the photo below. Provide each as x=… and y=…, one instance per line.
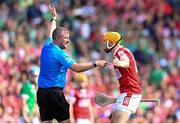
x=80, y=67
x=52, y=24
x=122, y=62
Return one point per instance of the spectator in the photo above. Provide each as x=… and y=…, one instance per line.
x=82, y=103
x=28, y=98
x=34, y=13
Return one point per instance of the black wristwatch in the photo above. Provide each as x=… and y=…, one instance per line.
x=94, y=64
x=52, y=20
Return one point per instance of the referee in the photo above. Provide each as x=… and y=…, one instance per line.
x=54, y=63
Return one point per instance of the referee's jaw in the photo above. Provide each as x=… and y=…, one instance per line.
x=66, y=39
x=66, y=44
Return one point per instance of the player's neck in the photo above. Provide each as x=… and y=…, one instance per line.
x=116, y=48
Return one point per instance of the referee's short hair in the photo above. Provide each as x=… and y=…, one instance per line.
x=58, y=32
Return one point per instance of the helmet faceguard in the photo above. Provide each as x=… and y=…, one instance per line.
x=111, y=38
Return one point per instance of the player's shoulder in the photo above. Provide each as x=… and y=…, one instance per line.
x=126, y=50
x=123, y=50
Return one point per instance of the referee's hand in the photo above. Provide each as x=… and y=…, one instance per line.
x=52, y=11
x=101, y=63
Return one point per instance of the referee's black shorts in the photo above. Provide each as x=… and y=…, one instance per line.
x=52, y=104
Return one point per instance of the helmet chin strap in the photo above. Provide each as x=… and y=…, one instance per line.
x=108, y=49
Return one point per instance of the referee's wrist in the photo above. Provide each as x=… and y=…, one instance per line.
x=53, y=19
x=94, y=64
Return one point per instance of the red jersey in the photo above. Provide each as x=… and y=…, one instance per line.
x=81, y=105
x=128, y=77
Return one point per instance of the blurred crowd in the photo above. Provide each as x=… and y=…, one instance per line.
x=152, y=28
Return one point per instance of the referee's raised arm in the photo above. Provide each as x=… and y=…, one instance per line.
x=52, y=24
